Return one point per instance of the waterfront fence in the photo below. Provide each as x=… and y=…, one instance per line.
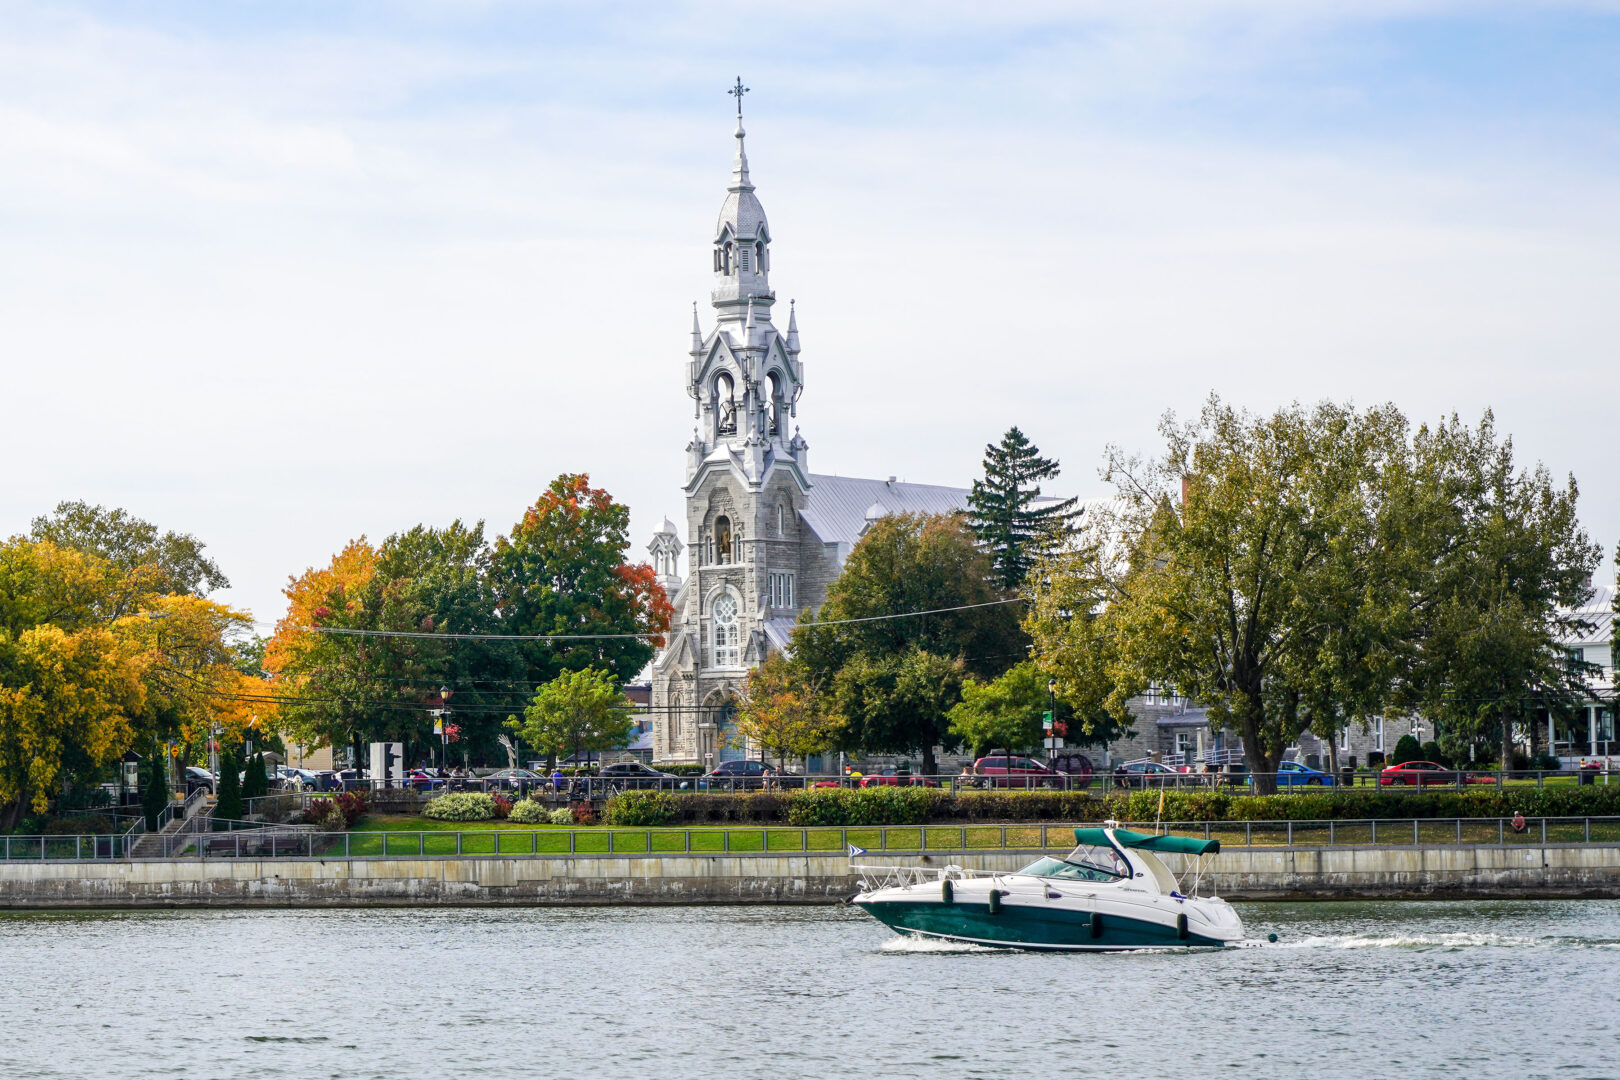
x=255, y=840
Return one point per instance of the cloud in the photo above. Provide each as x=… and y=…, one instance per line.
x=286, y=281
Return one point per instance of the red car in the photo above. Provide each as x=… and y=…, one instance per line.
x=998, y=770
x=1421, y=773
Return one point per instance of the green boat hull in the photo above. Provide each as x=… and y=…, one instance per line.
x=1019, y=927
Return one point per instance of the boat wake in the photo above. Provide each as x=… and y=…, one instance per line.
x=1437, y=941
x=910, y=943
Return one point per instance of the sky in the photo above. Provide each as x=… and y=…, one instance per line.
x=284, y=274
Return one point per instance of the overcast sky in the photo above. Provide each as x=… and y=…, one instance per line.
x=280, y=274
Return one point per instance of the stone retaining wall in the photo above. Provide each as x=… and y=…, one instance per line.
x=1238, y=874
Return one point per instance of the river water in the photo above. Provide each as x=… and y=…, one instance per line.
x=1475, y=989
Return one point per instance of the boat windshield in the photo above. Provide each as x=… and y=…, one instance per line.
x=1084, y=863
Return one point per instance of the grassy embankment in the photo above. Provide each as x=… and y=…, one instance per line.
x=410, y=835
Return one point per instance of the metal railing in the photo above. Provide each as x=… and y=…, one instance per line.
x=255, y=840
x=1101, y=782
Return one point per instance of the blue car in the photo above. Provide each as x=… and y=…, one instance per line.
x=1292, y=773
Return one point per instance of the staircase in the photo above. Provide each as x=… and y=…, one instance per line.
x=156, y=845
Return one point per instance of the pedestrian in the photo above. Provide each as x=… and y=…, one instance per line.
x=1519, y=824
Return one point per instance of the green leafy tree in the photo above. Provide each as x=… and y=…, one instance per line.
x=154, y=787
x=1407, y=748
x=1003, y=510
x=1503, y=553
x=1006, y=712
x=1241, y=569
x=577, y=711
x=228, y=794
x=892, y=681
x=145, y=560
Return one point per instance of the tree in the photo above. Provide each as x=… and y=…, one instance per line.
x=1505, y=552
x=1407, y=748
x=1242, y=570
x=781, y=713
x=562, y=570
x=228, y=793
x=1003, y=510
x=155, y=788
x=577, y=711
x=892, y=677
x=149, y=562
x=1006, y=712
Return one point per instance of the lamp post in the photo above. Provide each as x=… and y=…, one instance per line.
x=444, y=733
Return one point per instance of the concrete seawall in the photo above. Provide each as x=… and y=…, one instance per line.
x=1238, y=874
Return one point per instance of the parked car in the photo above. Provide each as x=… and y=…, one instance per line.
x=1145, y=773
x=737, y=775
x=892, y=778
x=1076, y=769
x=1003, y=770
x=1422, y=773
x=633, y=776
x=519, y=780
x=200, y=779
x=1293, y=774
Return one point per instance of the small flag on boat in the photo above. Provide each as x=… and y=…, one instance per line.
x=854, y=851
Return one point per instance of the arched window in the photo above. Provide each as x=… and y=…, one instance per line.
x=776, y=402
x=725, y=259
x=722, y=539
x=759, y=255
x=781, y=520
x=727, y=631
x=725, y=405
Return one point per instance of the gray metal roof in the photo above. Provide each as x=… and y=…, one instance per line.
x=1599, y=611
x=837, y=505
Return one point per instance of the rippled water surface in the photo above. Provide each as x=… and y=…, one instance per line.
x=1475, y=989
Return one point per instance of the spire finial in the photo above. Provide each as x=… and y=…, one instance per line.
x=739, y=167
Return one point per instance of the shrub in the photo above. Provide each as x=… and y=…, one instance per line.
x=503, y=806
x=1546, y=761
x=1407, y=748
x=1431, y=752
x=80, y=824
x=528, y=812
x=461, y=806
x=228, y=796
x=584, y=813
x=562, y=816
x=643, y=809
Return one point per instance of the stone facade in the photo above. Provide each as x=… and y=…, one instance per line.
x=765, y=537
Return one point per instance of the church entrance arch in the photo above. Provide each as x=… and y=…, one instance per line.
x=722, y=709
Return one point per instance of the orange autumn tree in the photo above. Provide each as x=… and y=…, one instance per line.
x=563, y=571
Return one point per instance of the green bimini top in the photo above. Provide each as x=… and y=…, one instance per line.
x=1180, y=845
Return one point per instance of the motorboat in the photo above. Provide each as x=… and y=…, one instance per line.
x=1112, y=892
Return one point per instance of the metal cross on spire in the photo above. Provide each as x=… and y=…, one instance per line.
x=737, y=92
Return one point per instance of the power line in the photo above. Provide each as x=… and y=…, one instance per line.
x=347, y=632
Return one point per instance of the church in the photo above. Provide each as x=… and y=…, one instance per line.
x=766, y=536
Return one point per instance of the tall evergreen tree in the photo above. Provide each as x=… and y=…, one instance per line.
x=1003, y=510
x=228, y=796
x=155, y=791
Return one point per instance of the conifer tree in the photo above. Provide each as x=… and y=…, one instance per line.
x=1002, y=509
x=155, y=792
x=228, y=798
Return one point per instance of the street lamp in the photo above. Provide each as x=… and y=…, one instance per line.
x=444, y=729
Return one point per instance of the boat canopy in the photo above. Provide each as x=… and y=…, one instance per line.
x=1126, y=838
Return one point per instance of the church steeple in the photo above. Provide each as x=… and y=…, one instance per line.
x=742, y=240
x=745, y=376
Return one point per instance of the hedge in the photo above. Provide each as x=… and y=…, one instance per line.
x=922, y=806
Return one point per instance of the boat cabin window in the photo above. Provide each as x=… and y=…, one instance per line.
x=1098, y=864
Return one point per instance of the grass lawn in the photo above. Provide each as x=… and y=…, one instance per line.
x=377, y=834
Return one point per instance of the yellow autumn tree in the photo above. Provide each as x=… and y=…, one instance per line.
x=780, y=713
